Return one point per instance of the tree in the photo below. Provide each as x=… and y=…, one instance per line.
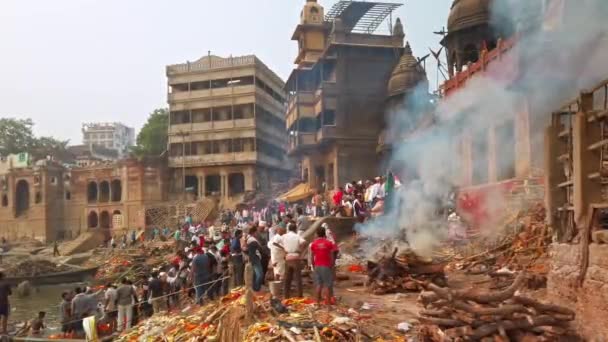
x=152, y=139
x=49, y=146
x=16, y=135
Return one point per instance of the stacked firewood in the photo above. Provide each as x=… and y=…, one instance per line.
x=403, y=273
x=470, y=315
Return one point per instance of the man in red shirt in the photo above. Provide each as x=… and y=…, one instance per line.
x=337, y=198
x=322, y=254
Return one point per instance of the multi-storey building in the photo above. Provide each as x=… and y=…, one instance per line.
x=114, y=135
x=338, y=91
x=227, y=131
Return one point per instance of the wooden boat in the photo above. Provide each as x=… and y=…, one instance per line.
x=66, y=277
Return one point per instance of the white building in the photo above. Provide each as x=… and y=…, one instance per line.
x=111, y=135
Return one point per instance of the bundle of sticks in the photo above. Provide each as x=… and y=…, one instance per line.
x=403, y=273
x=469, y=315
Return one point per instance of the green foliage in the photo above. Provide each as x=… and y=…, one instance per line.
x=16, y=136
x=152, y=139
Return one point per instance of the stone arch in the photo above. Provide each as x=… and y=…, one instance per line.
x=92, y=192
x=105, y=220
x=92, y=220
x=22, y=197
x=116, y=190
x=104, y=191
x=236, y=183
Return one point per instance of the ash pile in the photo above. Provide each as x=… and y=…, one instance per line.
x=506, y=315
x=402, y=270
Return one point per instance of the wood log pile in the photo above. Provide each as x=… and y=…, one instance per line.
x=470, y=315
x=403, y=272
x=521, y=246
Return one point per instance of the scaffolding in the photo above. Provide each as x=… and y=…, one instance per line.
x=362, y=17
x=172, y=214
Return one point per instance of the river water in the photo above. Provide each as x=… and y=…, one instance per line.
x=43, y=298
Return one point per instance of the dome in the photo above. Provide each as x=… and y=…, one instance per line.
x=468, y=13
x=407, y=74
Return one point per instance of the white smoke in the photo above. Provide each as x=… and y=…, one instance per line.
x=553, y=66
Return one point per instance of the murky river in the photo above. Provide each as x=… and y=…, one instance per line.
x=43, y=298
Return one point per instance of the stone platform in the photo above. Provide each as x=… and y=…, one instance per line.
x=591, y=300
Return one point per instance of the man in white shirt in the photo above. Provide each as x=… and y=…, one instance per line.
x=293, y=244
x=374, y=189
x=277, y=253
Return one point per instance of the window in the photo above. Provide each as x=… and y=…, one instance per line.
x=4, y=200
x=38, y=198
x=329, y=118
x=53, y=180
x=237, y=145
x=68, y=195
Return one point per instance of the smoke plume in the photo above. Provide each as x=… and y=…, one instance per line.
x=560, y=51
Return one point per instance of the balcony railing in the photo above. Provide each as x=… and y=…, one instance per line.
x=211, y=64
x=224, y=158
x=211, y=125
x=216, y=92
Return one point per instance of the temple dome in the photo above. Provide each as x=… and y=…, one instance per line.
x=407, y=74
x=468, y=13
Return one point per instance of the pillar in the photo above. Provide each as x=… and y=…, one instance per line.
x=553, y=175
x=586, y=191
x=522, y=141
x=492, y=157
x=248, y=174
x=202, y=185
x=466, y=167
x=223, y=184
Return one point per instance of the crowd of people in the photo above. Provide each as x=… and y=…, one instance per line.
x=210, y=259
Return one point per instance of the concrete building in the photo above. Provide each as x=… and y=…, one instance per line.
x=113, y=135
x=338, y=90
x=88, y=155
x=226, y=131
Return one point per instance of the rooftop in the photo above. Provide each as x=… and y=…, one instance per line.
x=361, y=17
x=213, y=62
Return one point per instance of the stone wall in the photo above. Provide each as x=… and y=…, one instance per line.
x=590, y=301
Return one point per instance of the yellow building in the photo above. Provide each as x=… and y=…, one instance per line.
x=227, y=131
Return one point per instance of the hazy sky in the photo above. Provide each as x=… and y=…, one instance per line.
x=65, y=62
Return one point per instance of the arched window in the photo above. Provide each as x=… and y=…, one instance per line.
x=104, y=220
x=104, y=191
x=92, y=192
x=38, y=197
x=116, y=190
x=314, y=10
x=22, y=197
x=92, y=220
